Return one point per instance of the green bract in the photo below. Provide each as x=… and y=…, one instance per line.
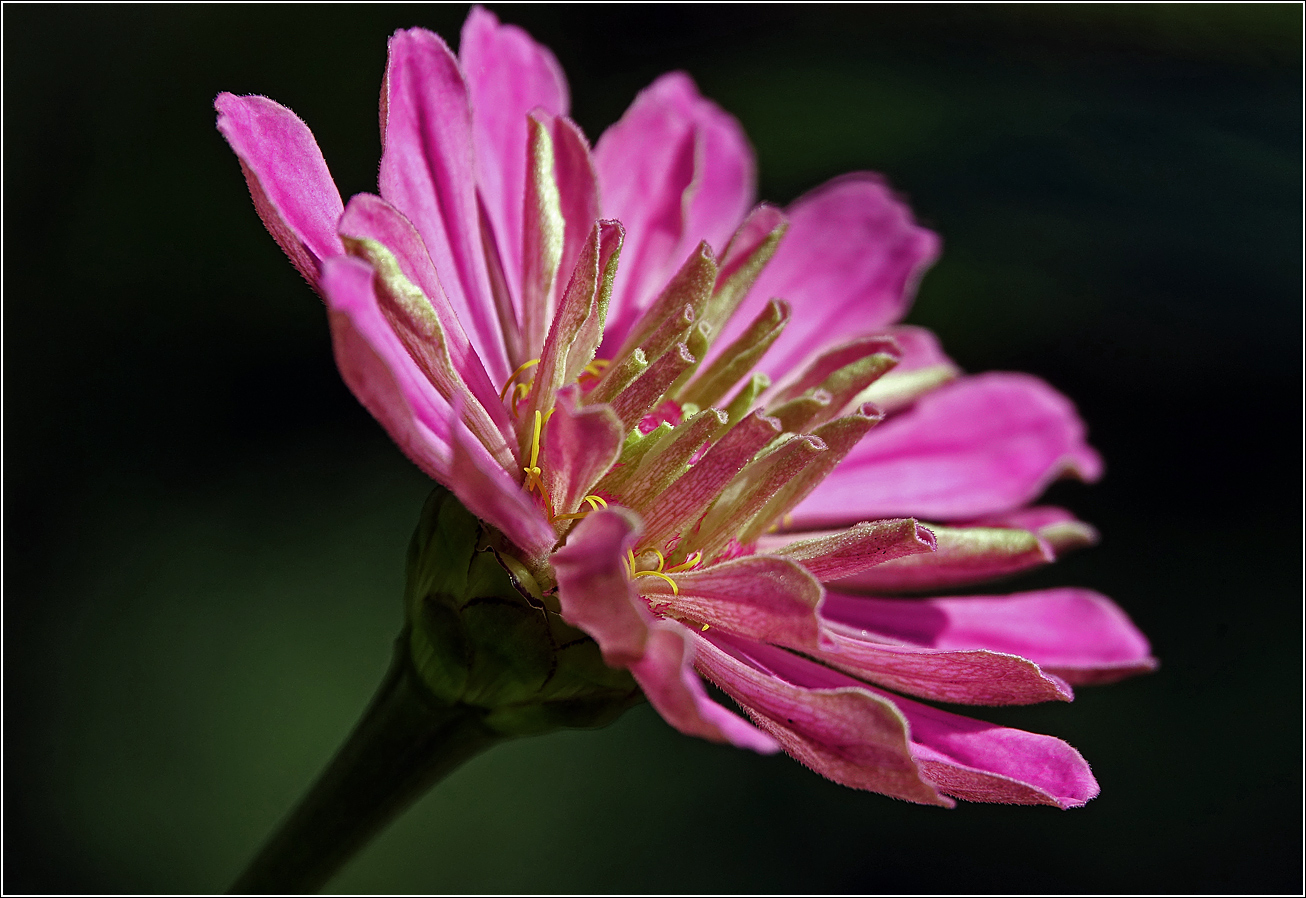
x=483, y=635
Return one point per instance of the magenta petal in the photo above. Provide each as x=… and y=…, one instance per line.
x=965, y=758
x=666, y=674
x=841, y=553
x=371, y=217
x=845, y=732
x=979, y=446
x=978, y=761
x=428, y=174
x=961, y=556
x=1057, y=527
x=508, y=74
x=1034, y=518
x=848, y=266
x=976, y=677
x=919, y=348
x=488, y=492
x=596, y=595
x=676, y=170
x=1076, y=634
x=594, y=585
x=287, y=176
x=380, y=373
x=760, y=597
x=580, y=446
x=390, y=385
x=578, y=194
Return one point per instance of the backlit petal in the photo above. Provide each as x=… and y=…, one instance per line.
x=979, y=446
x=675, y=170
x=287, y=177
x=428, y=174
x=848, y=265
x=1077, y=634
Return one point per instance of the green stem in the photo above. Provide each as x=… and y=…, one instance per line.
x=405, y=743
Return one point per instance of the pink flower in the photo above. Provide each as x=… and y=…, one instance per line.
x=568, y=340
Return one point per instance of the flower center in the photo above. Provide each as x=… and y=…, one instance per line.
x=709, y=471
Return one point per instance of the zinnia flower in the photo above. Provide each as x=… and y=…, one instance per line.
x=574, y=341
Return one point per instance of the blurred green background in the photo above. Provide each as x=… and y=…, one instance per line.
x=204, y=533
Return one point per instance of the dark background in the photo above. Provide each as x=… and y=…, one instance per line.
x=204, y=533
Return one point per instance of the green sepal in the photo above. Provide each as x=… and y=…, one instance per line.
x=483, y=636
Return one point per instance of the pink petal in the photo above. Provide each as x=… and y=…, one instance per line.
x=975, y=677
x=428, y=174
x=379, y=370
x=1033, y=518
x=508, y=74
x=961, y=556
x=686, y=499
x=845, y=733
x=965, y=758
x=594, y=586
x=841, y=553
x=287, y=177
x=849, y=265
x=666, y=674
x=373, y=218
x=380, y=373
x=1058, y=527
x=924, y=367
x=580, y=446
x=982, y=445
x=759, y=597
x=978, y=761
x=676, y=170
x=1076, y=634
x=578, y=192
x=596, y=595
x=487, y=491
x=919, y=348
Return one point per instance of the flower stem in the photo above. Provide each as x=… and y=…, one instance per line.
x=406, y=741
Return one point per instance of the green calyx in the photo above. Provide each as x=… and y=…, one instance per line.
x=484, y=636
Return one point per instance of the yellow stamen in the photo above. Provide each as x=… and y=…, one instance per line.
x=595, y=503
x=705, y=626
x=534, y=479
x=675, y=590
x=630, y=561
x=688, y=564
x=503, y=394
x=596, y=367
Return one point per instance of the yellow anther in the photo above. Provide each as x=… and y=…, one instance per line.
x=675, y=590
x=630, y=560
x=503, y=394
x=705, y=626
x=688, y=564
x=534, y=478
x=596, y=367
x=595, y=503
x=535, y=439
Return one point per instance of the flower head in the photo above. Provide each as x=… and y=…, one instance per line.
x=692, y=424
